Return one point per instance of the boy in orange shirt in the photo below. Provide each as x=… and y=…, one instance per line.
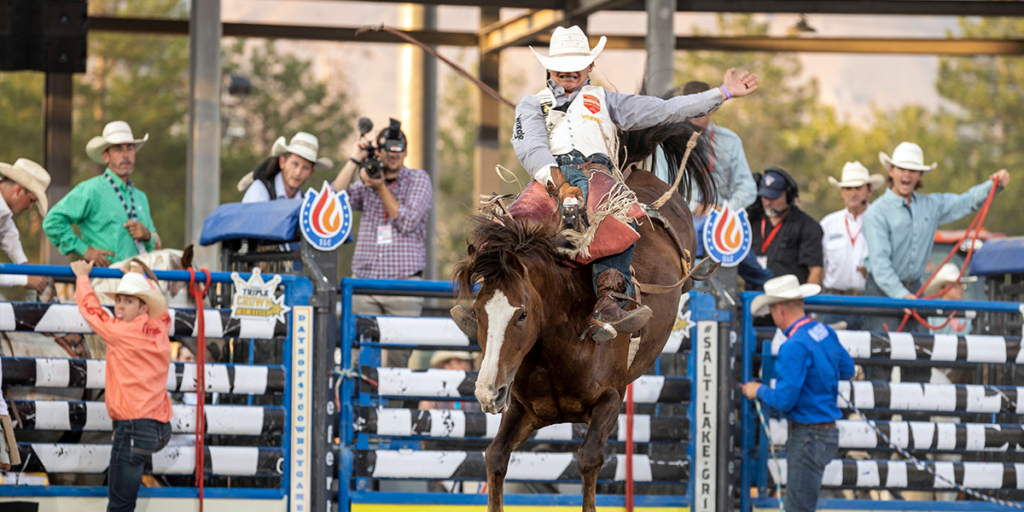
x=138, y=358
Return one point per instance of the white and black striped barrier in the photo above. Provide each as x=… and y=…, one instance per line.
x=912, y=396
x=90, y=374
x=905, y=475
x=919, y=435
x=441, y=333
x=172, y=460
x=243, y=420
x=905, y=346
x=433, y=383
x=523, y=466
x=65, y=318
x=449, y=424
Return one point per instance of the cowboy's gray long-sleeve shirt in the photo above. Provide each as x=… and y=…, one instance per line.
x=627, y=111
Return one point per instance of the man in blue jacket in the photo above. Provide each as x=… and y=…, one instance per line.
x=810, y=364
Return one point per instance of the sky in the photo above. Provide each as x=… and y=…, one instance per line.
x=853, y=84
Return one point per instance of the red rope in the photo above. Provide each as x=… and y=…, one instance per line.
x=629, y=447
x=975, y=227
x=198, y=292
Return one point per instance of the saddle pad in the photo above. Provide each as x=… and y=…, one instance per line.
x=611, y=236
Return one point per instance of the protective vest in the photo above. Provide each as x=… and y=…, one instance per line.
x=585, y=126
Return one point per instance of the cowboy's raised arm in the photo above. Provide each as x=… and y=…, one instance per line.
x=636, y=112
x=530, y=140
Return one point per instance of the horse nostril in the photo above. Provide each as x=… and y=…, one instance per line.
x=501, y=394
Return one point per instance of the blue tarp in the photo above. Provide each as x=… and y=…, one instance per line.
x=999, y=256
x=274, y=221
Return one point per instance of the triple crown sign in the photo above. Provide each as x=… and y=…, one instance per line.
x=256, y=300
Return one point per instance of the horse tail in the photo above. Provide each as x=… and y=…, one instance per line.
x=635, y=146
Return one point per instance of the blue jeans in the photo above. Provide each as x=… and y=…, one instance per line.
x=135, y=441
x=808, y=451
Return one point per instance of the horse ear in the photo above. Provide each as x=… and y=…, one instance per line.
x=512, y=261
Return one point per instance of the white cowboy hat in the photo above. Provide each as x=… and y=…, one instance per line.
x=947, y=274
x=441, y=356
x=138, y=285
x=782, y=289
x=906, y=156
x=855, y=175
x=306, y=145
x=569, y=50
x=114, y=133
x=32, y=177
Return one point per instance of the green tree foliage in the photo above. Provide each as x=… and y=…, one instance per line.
x=285, y=99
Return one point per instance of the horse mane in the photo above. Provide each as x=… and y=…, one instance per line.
x=636, y=145
x=492, y=240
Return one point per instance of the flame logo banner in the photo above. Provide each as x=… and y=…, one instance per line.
x=727, y=236
x=325, y=218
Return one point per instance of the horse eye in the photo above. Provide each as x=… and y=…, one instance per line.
x=522, y=317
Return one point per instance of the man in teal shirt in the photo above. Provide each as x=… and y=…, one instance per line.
x=111, y=214
x=900, y=226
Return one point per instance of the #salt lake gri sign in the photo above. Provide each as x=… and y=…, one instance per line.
x=256, y=299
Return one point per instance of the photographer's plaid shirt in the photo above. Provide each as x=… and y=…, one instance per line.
x=406, y=255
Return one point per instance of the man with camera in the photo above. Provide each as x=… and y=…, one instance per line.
x=391, y=241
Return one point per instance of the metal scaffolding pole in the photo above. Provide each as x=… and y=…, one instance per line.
x=430, y=141
x=57, y=152
x=660, y=42
x=202, y=182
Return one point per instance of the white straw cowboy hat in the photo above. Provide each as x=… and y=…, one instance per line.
x=569, y=50
x=947, y=274
x=114, y=133
x=138, y=285
x=906, y=156
x=441, y=356
x=32, y=177
x=306, y=145
x=782, y=289
x=855, y=175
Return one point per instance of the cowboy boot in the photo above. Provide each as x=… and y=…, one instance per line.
x=609, y=318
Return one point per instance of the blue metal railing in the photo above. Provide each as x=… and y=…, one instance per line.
x=754, y=465
x=298, y=291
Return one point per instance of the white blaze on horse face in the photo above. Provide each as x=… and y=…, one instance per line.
x=499, y=314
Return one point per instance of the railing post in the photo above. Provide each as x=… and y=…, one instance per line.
x=322, y=268
x=348, y=332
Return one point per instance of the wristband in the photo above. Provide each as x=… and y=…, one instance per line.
x=357, y=162
x=725, y=91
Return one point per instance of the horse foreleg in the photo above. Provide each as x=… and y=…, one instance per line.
x=516, y=426
x=590, y=457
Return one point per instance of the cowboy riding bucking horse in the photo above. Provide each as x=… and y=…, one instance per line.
x=571, y=123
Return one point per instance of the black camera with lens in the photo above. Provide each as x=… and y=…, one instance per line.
x=392, y=140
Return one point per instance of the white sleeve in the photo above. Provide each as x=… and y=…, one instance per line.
x=257, y=193
x=10, y=241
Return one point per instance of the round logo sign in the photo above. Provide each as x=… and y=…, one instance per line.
x=325, y=218
x=727, y=236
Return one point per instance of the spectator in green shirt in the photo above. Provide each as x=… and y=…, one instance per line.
x=112, y=215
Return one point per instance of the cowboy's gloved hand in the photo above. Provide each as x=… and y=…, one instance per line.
x=560, y=189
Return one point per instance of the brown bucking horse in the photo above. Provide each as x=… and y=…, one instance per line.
x=532, y=313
